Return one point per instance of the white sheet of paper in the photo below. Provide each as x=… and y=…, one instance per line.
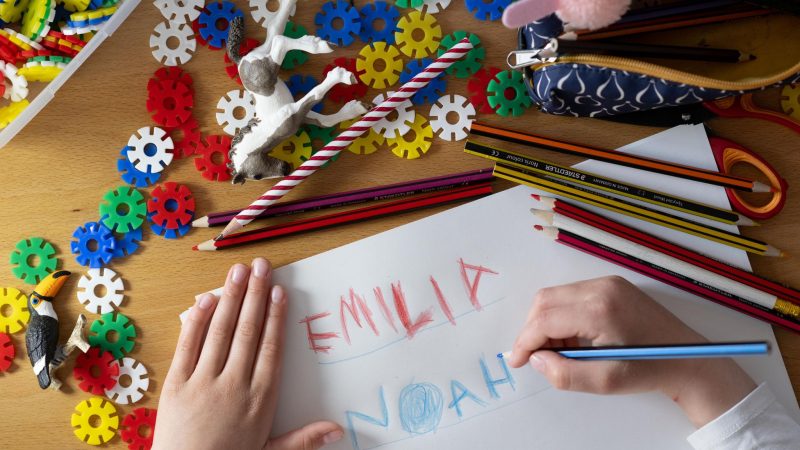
x=442, y=386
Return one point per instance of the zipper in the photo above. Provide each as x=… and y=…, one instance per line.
x=531, y=61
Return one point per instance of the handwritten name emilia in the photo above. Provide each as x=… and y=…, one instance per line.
x=354, y=307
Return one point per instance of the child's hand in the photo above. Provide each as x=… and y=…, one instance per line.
x=612, y=311
x=222, y=388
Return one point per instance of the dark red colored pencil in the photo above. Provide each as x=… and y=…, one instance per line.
x=673, y=279
x=345, y=217
x=676, y=251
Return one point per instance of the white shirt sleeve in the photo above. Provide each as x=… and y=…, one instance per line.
x=756, y=422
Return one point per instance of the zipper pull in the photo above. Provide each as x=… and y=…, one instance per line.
x=519, y=59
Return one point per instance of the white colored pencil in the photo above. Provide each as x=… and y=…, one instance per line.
x=676, y=265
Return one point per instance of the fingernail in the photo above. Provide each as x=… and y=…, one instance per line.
x=537, y=363
x=205, y=301
x=333, y=436
x=237, y=273
x=277, y=295
x=259, y=268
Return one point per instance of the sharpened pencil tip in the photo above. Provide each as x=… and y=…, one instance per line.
x=538, y=228
x=761, y=187
x=775, y=252
x=745, y=221
x=500, y=355
x=206, y=246
x=194, y=248
x=201, y=222
x=547, y=216
x=536, y=197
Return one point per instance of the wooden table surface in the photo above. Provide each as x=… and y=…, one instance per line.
x=54, y=173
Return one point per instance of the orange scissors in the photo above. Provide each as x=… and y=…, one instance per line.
x=728, y=154
x=743, y=106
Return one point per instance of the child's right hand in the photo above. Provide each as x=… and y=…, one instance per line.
x=612, y=311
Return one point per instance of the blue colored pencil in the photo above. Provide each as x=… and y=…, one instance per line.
x=643, y=352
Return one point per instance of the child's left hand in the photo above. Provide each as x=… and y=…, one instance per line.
x=222, y=388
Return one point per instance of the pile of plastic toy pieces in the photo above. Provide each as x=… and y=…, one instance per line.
x=38, y=39
x=399, y=40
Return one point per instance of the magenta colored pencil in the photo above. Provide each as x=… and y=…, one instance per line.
x=676, y=280
x=339, y=199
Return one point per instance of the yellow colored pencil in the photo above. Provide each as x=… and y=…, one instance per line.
x=581, y=194
x=550, y=170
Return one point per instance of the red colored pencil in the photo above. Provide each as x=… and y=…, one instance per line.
x=742, y=276
x=668, y=277
x=345, y=217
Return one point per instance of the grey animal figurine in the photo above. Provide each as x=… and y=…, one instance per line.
x=277, y=115
x=41, y=337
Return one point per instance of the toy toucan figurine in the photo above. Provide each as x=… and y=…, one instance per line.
x=41, y=337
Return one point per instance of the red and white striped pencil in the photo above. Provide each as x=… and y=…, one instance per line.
x=344, y=139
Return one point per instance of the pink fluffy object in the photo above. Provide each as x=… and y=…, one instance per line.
x=578, y=14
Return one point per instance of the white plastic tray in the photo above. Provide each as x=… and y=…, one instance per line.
x=124, y=9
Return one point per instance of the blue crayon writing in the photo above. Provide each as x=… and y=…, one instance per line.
x=420, y=408
x=421, y=405
x=459, y=393
x=382, y=422
x=492, y=383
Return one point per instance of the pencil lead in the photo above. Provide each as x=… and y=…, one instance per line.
x=536, y=197
x=194, y=248
x=538, y=228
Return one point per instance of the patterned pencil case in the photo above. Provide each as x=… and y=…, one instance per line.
x=595, y=85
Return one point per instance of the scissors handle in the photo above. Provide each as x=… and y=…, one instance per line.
x=743, y=106
x=728, y=154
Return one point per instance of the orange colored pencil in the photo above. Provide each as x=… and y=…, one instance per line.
x=624, y=159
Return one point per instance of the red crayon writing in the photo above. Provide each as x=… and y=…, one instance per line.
x=400, y=306
x=314, y=337
x=354, y=309
x=472, y=287
x=355, y=305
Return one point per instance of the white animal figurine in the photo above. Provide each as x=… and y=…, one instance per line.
x=277, y=114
